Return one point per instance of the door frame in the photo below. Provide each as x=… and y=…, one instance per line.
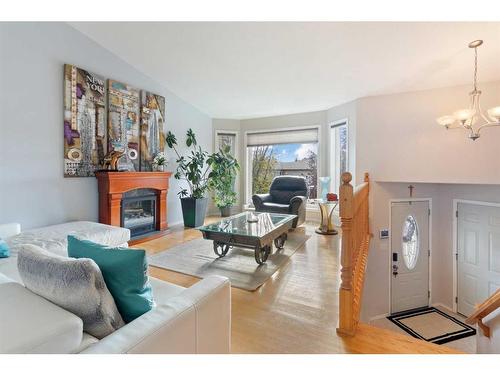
x=399, y=200
x=454, y=253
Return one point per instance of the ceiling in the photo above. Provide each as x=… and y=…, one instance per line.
x=255, y=69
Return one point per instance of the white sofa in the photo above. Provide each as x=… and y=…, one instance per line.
x=184, y=320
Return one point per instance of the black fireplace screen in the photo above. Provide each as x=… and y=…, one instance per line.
x=139, y=211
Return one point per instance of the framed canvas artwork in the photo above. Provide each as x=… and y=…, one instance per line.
x=123, y=124
x=152, y=122
x=84, y=122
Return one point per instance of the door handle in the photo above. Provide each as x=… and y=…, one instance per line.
x=395, y=270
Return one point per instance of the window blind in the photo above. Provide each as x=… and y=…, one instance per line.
x=309, y=135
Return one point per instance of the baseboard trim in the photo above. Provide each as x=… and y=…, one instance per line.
x=439, y=304
x=377, y=317
x=176, y=224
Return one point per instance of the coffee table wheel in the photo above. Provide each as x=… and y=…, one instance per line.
x=262, y=253
x=221, y=249
x=280, y=241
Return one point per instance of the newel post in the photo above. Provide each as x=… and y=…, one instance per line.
x=346, y=296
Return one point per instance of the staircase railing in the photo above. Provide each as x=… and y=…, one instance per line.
x=483, y=310
x=354, y=251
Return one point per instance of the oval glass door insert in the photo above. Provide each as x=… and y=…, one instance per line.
x=410, y=247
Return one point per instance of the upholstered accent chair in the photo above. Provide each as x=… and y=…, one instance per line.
x=287, y=195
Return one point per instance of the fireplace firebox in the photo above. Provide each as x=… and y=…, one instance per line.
x=134, y=200
x=139, y=211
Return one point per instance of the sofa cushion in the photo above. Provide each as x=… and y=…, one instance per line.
x=31, y=324
x=125, y=272
x=54, y=238
x=76, y=285
x=4, y=279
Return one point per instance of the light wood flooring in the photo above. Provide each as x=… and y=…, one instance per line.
x=296, y=311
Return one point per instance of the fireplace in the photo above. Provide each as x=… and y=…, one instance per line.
x=134, y=200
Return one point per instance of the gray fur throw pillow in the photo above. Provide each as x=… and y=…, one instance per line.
x=75, y=285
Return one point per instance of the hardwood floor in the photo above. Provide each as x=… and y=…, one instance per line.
x=296, y=311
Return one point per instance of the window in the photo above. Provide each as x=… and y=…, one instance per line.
x=410, y=242
x=275, y=153
x=226, y=139
x=230, y=138
x=338, y=153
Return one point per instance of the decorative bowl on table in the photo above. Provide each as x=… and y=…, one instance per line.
x=331, y=197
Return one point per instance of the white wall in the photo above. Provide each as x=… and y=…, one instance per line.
x=399, y=143
x=398, y=138
x=33, y=190
x=377, y=284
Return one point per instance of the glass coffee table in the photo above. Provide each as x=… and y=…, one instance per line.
x=251, y=231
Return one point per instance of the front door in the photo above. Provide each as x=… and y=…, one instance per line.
x=478, y=248
x=410, y=255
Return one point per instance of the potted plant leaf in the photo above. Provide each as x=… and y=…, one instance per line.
x=194, y=169
x=222, y=178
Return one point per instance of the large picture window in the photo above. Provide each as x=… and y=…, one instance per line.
x=275, y=153
x=338, y=153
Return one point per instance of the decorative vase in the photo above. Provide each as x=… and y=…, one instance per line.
x=160, y=168
x=225, y=211
x=325, y=185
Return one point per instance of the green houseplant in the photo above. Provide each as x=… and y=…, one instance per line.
x=222, y=178
x=194, y=169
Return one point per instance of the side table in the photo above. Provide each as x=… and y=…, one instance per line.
x=326, y=209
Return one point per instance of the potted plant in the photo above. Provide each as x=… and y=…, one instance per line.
x=159, y=162
x=222, y=178
x=193, y=169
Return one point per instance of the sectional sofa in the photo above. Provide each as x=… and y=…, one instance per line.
x=184, y=320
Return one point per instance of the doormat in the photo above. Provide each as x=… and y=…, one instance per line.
x=432, y=325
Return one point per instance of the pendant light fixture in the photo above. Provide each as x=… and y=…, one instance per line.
x=472, y=119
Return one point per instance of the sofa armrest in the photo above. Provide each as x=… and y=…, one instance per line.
x=10, y=229
x=196, y=321
x=259, y=199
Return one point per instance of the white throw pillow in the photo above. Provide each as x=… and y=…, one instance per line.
x=76, y=285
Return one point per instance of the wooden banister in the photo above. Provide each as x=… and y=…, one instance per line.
x=354, y=251
x=483, y=310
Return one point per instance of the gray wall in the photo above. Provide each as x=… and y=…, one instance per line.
x=33, y=190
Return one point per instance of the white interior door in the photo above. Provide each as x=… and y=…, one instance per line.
x=478, y=249
x=410, y=255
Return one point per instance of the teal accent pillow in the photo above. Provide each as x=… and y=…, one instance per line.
x=4, y=249
x=124, y=271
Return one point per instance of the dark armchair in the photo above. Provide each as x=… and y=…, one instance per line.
x=287, y=195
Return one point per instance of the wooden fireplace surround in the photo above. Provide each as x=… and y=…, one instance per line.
x=112, y=185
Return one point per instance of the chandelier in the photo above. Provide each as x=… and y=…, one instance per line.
x=472, y=119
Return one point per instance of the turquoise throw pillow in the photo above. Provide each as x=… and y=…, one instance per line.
x=4, y=249
x=124, y=271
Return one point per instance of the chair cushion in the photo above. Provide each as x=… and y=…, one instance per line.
x=125, y=272
x=31, y=324
x=76, y=285
x=284, y=188
x=276, y=208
